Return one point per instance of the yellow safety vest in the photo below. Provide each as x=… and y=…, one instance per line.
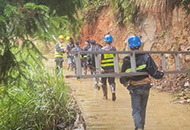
x=85, y=56
x=107, y=61
x=59, y=54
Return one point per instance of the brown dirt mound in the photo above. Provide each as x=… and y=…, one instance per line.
x=104, y=24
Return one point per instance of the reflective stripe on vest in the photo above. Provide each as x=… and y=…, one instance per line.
x=107, y=61
x=138, y=68
x=58, y=54
x=85, y=56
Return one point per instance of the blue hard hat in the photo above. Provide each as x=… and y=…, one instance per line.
x=134, y=41
x=108, y=38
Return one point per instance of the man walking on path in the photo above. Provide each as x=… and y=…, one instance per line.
x=69, y=46
x=86, y=48
x=107, y=66
x=139, y=86
x=59, y=50
x=77, y=48
x=91, y=61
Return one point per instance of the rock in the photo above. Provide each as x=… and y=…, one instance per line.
x=62, y=125
x=185, y=90
x=76, y=123
x=181, y=102
x=186, y=84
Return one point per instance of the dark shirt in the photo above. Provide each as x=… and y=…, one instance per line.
x=145, y=63
x=68, y=47
x=90, y=57
x=77, y=48
x=86, y=47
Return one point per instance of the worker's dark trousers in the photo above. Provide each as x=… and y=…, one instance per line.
x=59, y=64
x=111, y=82
x=85, y=65
x=139, y=98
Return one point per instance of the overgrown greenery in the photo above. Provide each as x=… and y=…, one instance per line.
x=130, y=11
x=30, y=97
x=91, y=10
x=125, y=11
x=38, y=100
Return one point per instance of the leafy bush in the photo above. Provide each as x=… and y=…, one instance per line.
x=37, y=101
x=125, y=11
x=30, y=97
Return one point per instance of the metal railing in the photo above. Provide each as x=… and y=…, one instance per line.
x=132, y=54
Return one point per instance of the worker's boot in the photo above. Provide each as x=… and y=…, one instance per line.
x=99, y=83
x=71, y=66
x=139, y=129
x=104, y=88
x=96, y=86
x=112, y=86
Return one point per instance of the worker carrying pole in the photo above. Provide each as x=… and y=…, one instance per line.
x=107, y=66
x=59, y=50
x=76, y=49
x=139, y=86
x=69, y=47
x=86, y=48
x=91, y=62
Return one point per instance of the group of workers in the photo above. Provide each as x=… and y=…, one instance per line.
x=138, y=86
x=60, y=49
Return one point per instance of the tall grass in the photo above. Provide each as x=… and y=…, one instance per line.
x=37, y=101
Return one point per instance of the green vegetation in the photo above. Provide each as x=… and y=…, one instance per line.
x=89, y=13
x=38, y=100
x=125, y=10
x=30, y=97
x=131, y=11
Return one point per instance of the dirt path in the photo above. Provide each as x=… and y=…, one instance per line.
x=101, y=114
x=106, y=114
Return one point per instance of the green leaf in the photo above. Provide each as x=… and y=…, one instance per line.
x=2, y=19
x=10, y=9
x=43, y=7
x=30, y=6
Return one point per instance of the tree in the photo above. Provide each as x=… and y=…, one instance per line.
x=26, y=20
x=28, y=97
